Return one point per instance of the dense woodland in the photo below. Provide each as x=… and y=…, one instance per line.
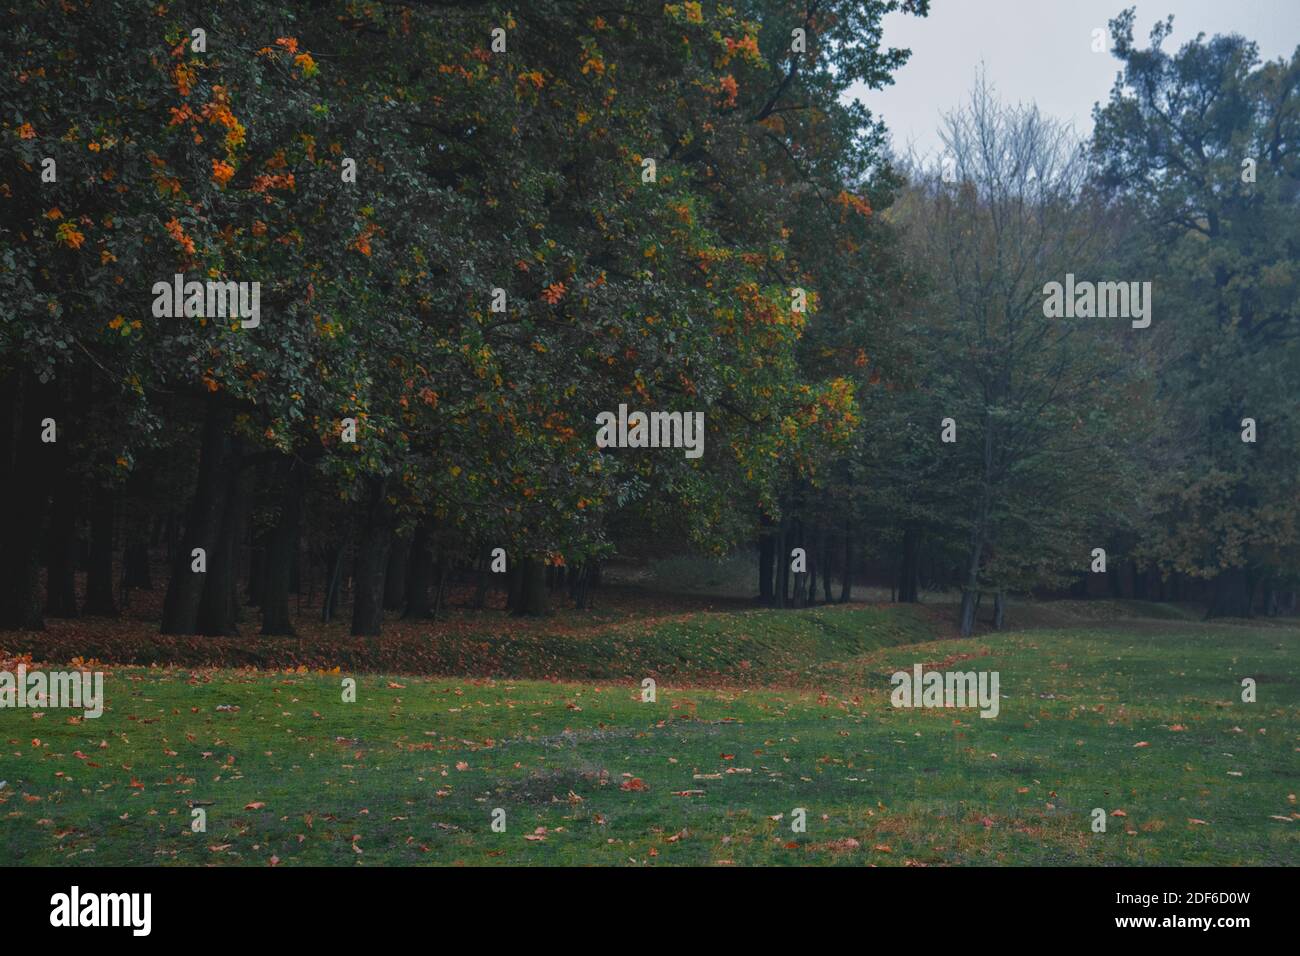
x=464, y=258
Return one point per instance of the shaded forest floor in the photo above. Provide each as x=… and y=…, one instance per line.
x=757, y=713
x=689, y=637
x=630, y=633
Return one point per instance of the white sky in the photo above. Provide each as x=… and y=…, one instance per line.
x=1041, y=51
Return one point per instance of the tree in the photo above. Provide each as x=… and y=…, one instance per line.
x=1041, y=409
x=1201, y=146
x=461, y=262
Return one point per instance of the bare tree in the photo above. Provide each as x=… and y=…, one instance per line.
x=1004, y=211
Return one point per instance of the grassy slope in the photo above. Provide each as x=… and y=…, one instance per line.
x=637, y=636
x=411, y=772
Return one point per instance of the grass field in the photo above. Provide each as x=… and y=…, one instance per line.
x=757, y=713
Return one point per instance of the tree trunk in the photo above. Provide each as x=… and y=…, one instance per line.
x=372, y=562
x=970, y=590
x=766, y=559
x=136, y=571
x=806, y=588
x=329, y=604
x=783, y=559
x=281, y=551
x=579, y=589
x=1232, y=597
x=22, y=475
x=1113, y=574
x=514, y=585
x=172, y=535
x=420, y=575
x=812, y=547
x=240, y=538
x=846, y=579
x=257, y=569
x=217, y=607
x=979, y=528
x=261, y=534
x=968, y=607
x=99, y=574
x=399, y=560
x=60, y=543
x=534, y=600
x=1141, y=580
x=1270, y=600
x=61, y=573
x=202, y=525
x=909, y=571
x=999, y=610
x=480, y=592
x=826, y=567
x=443, y=567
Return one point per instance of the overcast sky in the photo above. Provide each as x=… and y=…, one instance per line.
x=1041, y=51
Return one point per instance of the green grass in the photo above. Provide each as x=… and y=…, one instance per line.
x=410, y=774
